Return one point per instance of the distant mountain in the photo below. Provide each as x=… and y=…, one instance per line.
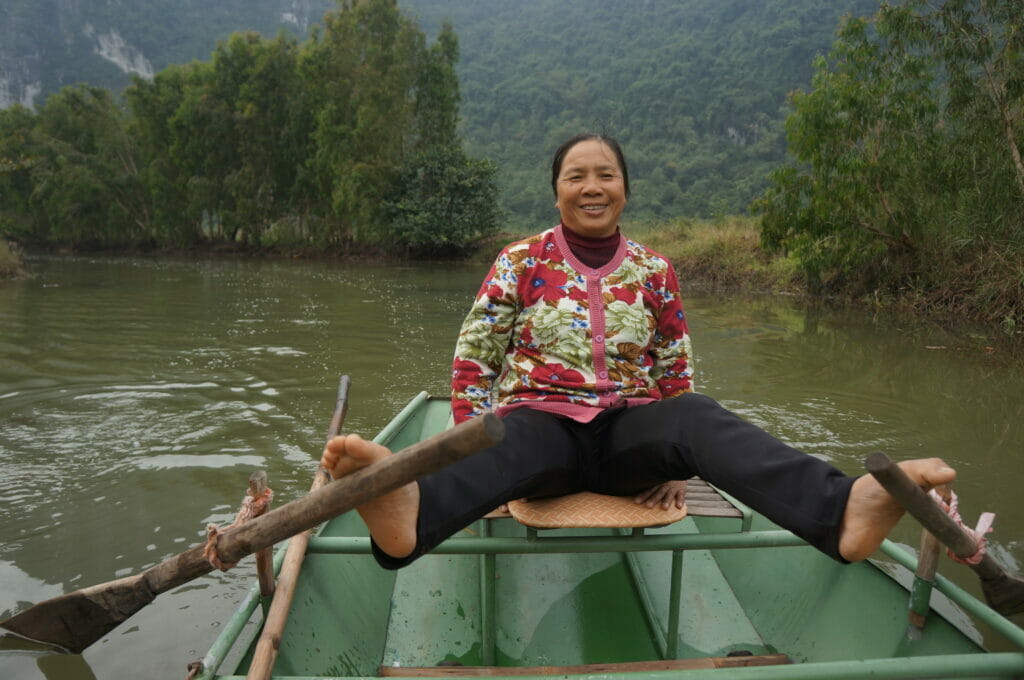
x=695, y=89
x=47, y=44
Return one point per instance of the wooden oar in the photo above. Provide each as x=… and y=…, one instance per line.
x=924, y=577
x=273, y=626
x=1004, y=592
x=76, y=620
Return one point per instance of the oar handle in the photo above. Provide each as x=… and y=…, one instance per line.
x=276, y=618
x=365, y=484
x=340, y=407
x=920, y=504
x=322, y=476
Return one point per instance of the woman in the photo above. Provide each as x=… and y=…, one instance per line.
x=578, y=340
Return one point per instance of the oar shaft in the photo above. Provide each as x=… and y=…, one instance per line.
x=265, y=653
x=76, y=620
x=920, y=505
x=339, y=497
x=929, y=514
x=1003, y=591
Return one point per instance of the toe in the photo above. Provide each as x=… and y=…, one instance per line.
x=929, y=472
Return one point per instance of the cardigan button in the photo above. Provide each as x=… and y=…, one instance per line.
x=602, y=374
x=599, y=338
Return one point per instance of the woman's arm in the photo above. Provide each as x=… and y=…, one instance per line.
x=673, y=368
x=483, y=340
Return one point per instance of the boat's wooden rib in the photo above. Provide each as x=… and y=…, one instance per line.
x=588, y=669
x=703, y=500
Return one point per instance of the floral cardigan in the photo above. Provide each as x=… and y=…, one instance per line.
x=548, y=332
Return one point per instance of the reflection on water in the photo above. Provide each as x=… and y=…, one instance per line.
x=137, y=395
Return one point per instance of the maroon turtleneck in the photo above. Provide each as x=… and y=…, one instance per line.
x=593, y=252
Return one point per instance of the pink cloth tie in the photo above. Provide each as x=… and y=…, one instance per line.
x=978, y=533
x=251, y=507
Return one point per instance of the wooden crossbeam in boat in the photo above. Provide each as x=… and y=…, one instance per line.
x=588, y=669
x=703, y=500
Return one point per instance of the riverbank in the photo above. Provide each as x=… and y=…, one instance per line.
x=720, y=254
x=708, y=254
x=11, y=266
x=725, y=255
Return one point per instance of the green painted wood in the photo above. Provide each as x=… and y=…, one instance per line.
x=961, y=666
x=712, y=622
x=435, y=613
x=815, y=609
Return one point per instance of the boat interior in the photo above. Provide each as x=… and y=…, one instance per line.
x=722, y=587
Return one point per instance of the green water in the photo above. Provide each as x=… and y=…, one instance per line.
x=137, y=395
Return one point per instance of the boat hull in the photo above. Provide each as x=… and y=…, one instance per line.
x=495, y=596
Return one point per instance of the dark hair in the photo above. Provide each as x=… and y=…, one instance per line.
x=556, y=163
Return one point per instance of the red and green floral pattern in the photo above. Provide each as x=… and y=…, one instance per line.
x=549, y=332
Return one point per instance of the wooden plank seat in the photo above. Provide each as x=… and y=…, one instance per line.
x=588, y=669
x=592, y=510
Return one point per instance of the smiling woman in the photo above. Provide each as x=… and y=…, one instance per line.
x=588, y=363
x=591, y=185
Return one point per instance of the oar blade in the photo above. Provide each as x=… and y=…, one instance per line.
x=74, y=621
x=1004, y=593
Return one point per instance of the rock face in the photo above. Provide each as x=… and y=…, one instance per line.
x=47, y=44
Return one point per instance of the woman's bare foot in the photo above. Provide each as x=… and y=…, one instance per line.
x=392, y=517
x=871, y=512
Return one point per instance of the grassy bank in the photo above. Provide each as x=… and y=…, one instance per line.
x=723, y=253
x=10, y=263
x=984, y=292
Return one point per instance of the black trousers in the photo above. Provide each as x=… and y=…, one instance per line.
x=626, y=450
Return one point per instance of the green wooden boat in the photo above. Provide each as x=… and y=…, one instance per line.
x=725, y=595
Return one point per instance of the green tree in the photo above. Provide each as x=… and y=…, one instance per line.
x=17, y=157
x=167, y=175
x=909, y=151
x=85, y=184
x=341, y=141
x=444, y=203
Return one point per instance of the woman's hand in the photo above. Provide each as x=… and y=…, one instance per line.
x=665, y=495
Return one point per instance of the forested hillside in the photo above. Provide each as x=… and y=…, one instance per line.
x=695, y=88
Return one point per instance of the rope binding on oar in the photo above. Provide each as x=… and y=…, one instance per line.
x=251, y=507
x=978, y=533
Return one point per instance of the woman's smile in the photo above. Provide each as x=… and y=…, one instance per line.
x=591, y=193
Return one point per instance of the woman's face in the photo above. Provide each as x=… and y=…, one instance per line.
x=590, y=190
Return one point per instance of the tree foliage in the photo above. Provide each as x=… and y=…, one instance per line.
x=909, y=150
x=270, y=141
x=695, y=90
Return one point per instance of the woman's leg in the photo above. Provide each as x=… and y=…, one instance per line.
x=694, y=435
x=539, y=456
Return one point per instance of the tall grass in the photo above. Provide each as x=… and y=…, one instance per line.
x=724, y=252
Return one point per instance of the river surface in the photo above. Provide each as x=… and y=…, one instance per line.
x=136, y=396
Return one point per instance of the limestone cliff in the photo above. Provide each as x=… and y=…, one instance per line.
x=47, y=44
